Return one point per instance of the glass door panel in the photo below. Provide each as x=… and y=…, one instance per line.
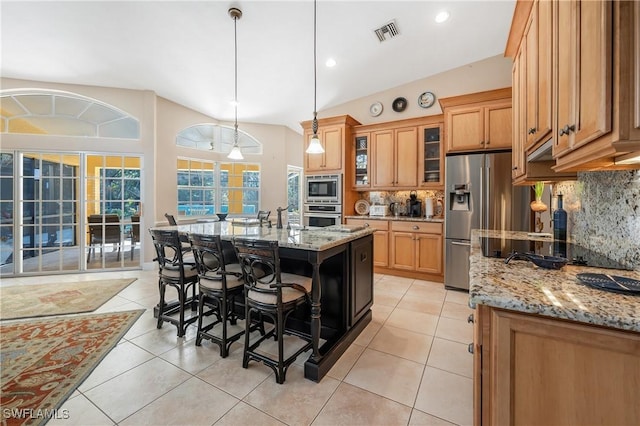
x=6, y=213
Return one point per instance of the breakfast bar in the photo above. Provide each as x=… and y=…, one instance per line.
x=340, y=261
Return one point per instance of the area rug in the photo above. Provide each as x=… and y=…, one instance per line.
x=28, y=301
x=43, y=361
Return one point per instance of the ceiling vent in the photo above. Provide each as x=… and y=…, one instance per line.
x=387, y=31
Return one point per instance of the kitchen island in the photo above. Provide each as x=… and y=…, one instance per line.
x=548, y=349
x=340, y=261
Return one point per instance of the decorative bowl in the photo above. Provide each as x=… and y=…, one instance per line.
x=221, y=216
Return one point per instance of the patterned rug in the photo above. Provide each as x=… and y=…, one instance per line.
x=28, y=301
x=43, y=361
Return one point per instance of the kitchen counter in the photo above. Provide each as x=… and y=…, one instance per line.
x=522, y=286
x=399, y=218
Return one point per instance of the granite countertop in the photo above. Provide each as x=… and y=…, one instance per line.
x=522, y=286
x=307, y=238
x=400, y=218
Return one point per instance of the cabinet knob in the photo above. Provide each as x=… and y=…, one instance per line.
x=416, y=227
x=532, y=130
x=514, y=168
x=470, y=319
x=567, y=129
x=366, y=225
x=486, y=143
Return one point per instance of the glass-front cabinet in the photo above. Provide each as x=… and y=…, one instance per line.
x=431, y=157
x=361, y=158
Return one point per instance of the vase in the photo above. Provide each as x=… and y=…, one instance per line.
x=538, y=206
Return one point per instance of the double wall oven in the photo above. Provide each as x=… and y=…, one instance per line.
x=323, y=200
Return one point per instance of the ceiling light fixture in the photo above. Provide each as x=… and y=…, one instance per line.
x=315, y=147
x=442, y=16
x=235, y=153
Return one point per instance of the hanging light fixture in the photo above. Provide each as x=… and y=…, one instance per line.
x=315, y=147
x=235, y=153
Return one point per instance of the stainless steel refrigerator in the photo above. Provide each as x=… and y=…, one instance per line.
x=479, y=195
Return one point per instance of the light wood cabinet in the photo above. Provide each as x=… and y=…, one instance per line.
x=479, y=121
x=431, y=157
x=416, y=246
x=518, y=153
x=333, y=133
x=394, y=158
x=530, y=369
x=380, y=239
x=595, y=94
x=361, y=158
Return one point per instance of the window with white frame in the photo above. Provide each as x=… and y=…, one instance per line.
x=207, y=187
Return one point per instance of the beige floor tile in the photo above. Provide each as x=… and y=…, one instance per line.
x=455, y=296
x=451, y=356
x=296, y=402
x=123, y=357
x=160, y=341
x=380, y=313
x=403, y=343
x=194, y=402
x=350, y=405
x=129, y=392
x=245, y=415
x=457, y=330
x=192, y=358
x=393, y=284
x=228, y=374
x=386, y=298
x=418, y=418
x=386, y=375
x=428, y=290
x=341, y=368
x=412, y=302
x=447, y=396
x=456, y=311
x=145, y=323
x=366, y=336
x=79, y=411
x=413, y=321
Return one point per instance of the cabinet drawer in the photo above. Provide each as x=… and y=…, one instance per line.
x=382, y=225
x=426, y=227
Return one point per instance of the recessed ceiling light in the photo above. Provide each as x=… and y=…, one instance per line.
x=442, y=16
x=330, y=63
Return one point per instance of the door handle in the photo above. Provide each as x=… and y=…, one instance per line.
x=456, y=243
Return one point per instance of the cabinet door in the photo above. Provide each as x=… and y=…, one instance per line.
x=430, y=157
x=361, y=278
x=331, y=139
x=360, y=157
x=545, y=371
x=403, y=251
x=406, y=157
x=381, y=248
x=429, y=253
x=382, y=156
x=538, y=73
x=520, y=105
x=498, y=127
x=465, y=129
x=564, y=29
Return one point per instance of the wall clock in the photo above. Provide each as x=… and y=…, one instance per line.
x=375, y=109
x=426, y=100
x=399, y=104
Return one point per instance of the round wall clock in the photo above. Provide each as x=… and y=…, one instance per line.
x=375, y=109
x=399, y=104
x=426, y=100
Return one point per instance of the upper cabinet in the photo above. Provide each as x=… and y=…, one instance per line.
x=404, y=154
x=595, y=82
x=480, y=121
x=334, y=133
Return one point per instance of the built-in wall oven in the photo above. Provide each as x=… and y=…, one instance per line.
x=322, y=214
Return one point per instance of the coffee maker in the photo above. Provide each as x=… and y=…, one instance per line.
x=414, y=205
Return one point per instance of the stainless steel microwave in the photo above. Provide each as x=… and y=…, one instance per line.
x=323, y=189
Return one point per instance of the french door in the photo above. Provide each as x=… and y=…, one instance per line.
x=45, y=205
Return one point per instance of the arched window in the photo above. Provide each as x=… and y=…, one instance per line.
x=217, y=138
x=52, y=112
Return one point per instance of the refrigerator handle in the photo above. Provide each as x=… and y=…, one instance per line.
x=482, y=197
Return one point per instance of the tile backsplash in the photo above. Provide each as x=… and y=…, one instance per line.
x=603, y=210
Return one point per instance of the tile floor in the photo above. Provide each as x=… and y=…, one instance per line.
x=410, y=366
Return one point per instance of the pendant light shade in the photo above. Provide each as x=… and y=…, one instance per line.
x=235, y=153
x=315, y=147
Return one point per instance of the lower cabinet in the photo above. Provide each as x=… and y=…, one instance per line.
x=416, y=246
x=530, y=369
x=361, y=278
x=380, y=239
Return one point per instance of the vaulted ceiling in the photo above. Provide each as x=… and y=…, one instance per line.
x=184, y=50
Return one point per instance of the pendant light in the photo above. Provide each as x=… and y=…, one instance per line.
x=315, y=147
x=235, y=153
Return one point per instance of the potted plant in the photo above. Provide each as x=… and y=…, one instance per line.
x=538, y=205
